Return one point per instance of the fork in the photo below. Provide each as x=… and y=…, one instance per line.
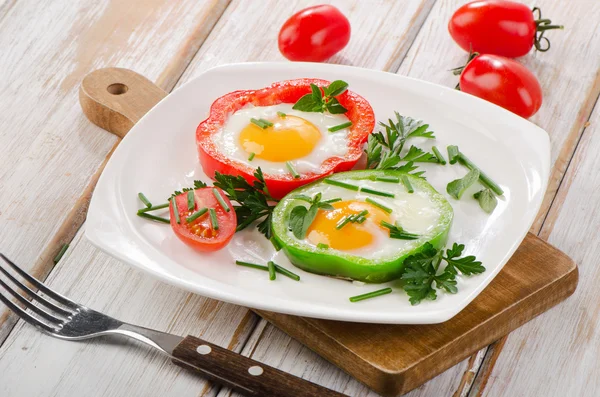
x=62, y=318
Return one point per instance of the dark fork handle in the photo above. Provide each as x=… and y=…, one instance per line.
x=243, y=374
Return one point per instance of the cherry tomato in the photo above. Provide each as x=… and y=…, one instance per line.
x=499, y=27
x=201, y=234
x=504, y=82
x=314, y=34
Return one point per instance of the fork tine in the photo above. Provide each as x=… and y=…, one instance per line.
x=30, y=305
x=35, y=296
x=54, y=295
x=26, y=316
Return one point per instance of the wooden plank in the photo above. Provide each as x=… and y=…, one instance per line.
x=239, y=21
x=50, y=150
x=559, y=349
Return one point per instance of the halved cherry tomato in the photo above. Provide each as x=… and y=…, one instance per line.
x=504, y=82
x=499, y=27
x=359, y=112
x=314, y=34
x=201, y=234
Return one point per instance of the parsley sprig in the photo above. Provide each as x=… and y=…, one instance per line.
x=197, y=185
x=253, y=201
x=319, y=101
x=422, y=276
x=301, y=217
x=384, y=148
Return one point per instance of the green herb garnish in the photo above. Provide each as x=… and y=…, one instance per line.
x=154, y=208
x=252, y=265
x=341, y=184
x=317, y=102
x=384, y=149
x=483, y=178
x=253, y=200
x=378, y=205
x=220, y=199
x=333, y=200
x=340, y=126
x=390, y=179
x=272, y=272
x=369, y=295
x=301, y=217
x=487, y=200
x=376, y=192
x=452, y=154
x=407, y=184
x=281, y=114
x=197, y=185
x=196, y=215
x=457, y=187
x=191, y=200
x=251, y=157
x=144, y=200
x=322, y=246
x=398, y=233
x=438, y=155
x=422, y=271
x=262, y=123
x=61, y=252
x=175, y=210
x=213, y=218
x=354, y=218
x=292, y=170
x=286, y=272
x=153, y=217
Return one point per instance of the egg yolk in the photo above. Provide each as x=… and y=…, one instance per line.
x=352, y=235
x=289, y=138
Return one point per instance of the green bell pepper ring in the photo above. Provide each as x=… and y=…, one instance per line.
x=321, y=259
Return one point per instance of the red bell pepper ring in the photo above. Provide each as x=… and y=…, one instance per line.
x=359, y=112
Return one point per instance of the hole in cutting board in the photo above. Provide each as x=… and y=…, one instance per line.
x=117, y=89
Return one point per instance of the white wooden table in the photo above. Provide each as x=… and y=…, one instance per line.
x=51, y=156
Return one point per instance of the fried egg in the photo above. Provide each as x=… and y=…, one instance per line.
x=301, y=138
x=415, y=212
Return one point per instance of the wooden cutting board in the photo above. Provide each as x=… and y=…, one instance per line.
x=391, y=359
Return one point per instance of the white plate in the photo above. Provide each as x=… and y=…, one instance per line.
x=159, y=156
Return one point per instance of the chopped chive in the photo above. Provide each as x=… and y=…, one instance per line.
x=341, y=184
x=386, y=178
x=369, y=295
x=154, y=218
x=290, y=167
x=333, y=200
x=322, y=246
x=175, y=210
x=213, y=218
x=154, y=208
x=191, y=200
x=251, y=157
x=272, y=272
x=361, y=214
x=144, y=200
x=60, y=254
x=275, y=244
x=407, y=184
x=452, y=154
x=388, y=225
x=439, y=156
x=219, y=198
x=360, y=219
x=252, y=265
x=286, y=272
x=281, y=114
x=340, y=126
x=261, y=123
x=376, y=192
x=343, y=222
x=378, y=205
x=196, y=215
x=486, y=180
x=404, y=236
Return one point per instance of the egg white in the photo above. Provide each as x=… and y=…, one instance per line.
x=415, y=212
x=227, y=140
